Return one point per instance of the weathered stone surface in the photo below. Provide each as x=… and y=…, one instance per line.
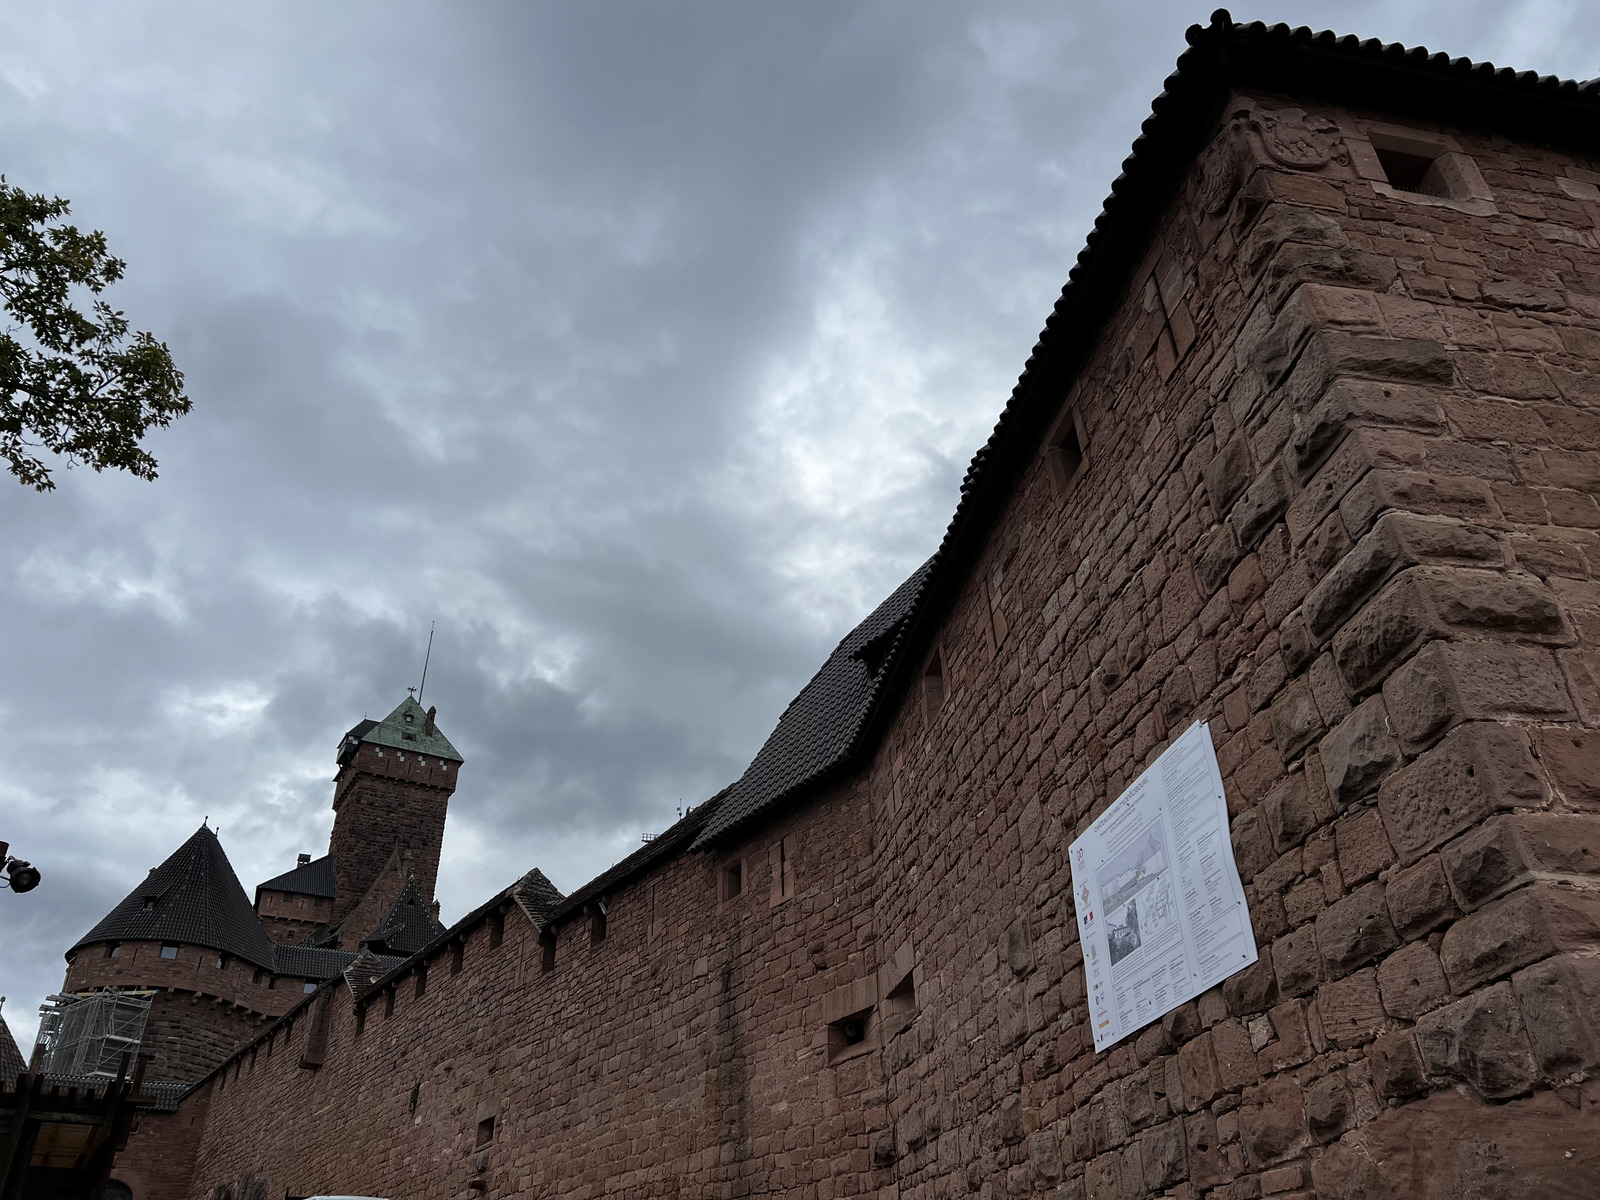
x=1419, y=898
x=1296, y=721
x=1476, y=770
x=1447, y=683
x=1560, y=1002
x=1517, y=930
x=1359, y=752
x=1261, y=505
x=1412, y=981
x=1217, y=553
x=1204, y=1150
x=1397, y=540
x=1197, y=1070
x=1252, y=990
x=1363, y=846
x=1356, y=930
x=1480, y=1040
x=1397, y=1068
x=1236, y=1059
x=1423, y=603
x=1452, y=1147
x=1161, y=1154
x=1288, y=813
x=1228, y=474
x=1329, y=1110
x=1019, y=946
x=1352, y=1013
x=1508, y=851
x=1572, y=757
x=1272, y=1123
x=1297, y=963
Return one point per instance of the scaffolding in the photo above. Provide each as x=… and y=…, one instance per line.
x=87, y=1034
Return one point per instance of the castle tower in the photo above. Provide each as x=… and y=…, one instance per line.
x=390, y=795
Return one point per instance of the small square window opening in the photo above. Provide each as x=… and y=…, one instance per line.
x=1409, y=172
x=169, y=952
x=308, y=987
x=547, y=950
x=852, y=1035
x=932, y=687
x=731, y=880
x=114, y=950
x=781, y=860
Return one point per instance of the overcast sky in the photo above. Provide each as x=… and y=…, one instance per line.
x=640, y=346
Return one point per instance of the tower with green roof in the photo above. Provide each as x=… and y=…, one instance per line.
x=389, y=798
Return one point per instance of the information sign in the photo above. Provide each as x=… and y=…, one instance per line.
x=1161, y=911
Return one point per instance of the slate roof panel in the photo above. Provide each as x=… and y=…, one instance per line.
x=315, y=962
x=313, y=879
x=817, y=730
x=193, y=898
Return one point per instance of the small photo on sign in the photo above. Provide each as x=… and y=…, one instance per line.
x=1137, y=894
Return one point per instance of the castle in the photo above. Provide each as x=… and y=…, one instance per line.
x=1309, y=450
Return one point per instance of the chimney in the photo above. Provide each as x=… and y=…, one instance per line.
x=301, y=860
x=428, y=727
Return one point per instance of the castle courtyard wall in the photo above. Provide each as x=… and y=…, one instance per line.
x=1341, y=454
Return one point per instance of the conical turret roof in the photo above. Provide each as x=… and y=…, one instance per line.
x=193, y=898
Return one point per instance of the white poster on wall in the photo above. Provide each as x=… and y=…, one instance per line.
x=1161, y=911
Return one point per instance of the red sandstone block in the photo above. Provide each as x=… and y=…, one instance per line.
x=1425, y=603
x=1520, y=929
x=1354, y=931
x=1508, y=851
x=1441, y=495
x=1359, y=753
x=1447, y=683
x=1477, y=770
x=1480, y=1040
x=1560, y=1003
x=1412, y=981
x=1363, y=846
x=1350, y=1009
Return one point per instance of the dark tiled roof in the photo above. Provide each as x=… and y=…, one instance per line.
x=537, y=896
x=313, y=879
x=315, y=962
x=12, y=1063
x=819, y=728
x=1222, y=56
x=407, y=927
x=193, y=898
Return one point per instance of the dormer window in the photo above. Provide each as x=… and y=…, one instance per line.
x=409, y=718
x=149, y=903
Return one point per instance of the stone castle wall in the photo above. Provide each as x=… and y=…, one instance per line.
x=1342, y=448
